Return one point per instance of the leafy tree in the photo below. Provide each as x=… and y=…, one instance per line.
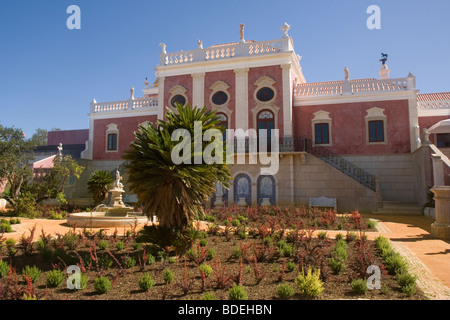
x=99, y=185
x=53, y=183
x=173, y=192
x=15, y=154
x=40, y=137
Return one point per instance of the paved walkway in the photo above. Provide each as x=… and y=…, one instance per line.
x=428, y=257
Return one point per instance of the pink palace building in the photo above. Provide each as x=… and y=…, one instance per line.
x=372, y=144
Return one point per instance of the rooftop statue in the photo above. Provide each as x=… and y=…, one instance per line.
x=242, y=26
x=384, y=57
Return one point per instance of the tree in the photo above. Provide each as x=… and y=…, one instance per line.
x=173, y=192
x=99, y=184
x=40, y=137
x=53, y=183
x=15, y=155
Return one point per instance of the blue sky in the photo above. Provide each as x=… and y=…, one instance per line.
x=49, y=74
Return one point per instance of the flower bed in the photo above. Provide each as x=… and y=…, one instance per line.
x=221, y=264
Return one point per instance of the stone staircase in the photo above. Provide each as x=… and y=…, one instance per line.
x=399, y=207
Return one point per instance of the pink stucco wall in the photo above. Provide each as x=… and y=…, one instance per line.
x=126, y=125
x=68, y=137
x=348, y=127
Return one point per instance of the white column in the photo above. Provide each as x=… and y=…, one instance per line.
x=161, y=102
x=241, y=98
x=287, y=100
x=438, y=170
x=198, y=90
x=88, y=152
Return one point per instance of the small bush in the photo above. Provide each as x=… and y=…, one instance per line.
x=340, y=250
x=56, y=216
x=208, y=296
x=371, y=224
x=290, y=266
x=310, y=284
x=150, y=259
x=285, y=291
x=406, y=280
x=171, y=260
x=203, y=242
x=359, y=286
x=237, y=252
x=4, y=268
x=137, y=246
x=5, y=227
x=206, y=268
x=236, y=223
x=237, y=292
x=351, y=236
x=242, y=235
x=120, y=245
x=395, y=263
x=130, y=262
x=14, y=221
x=105, y=262
x=409, y=289
x=322, y=235
x=168, y=276
x=339, y=236
x=287, y=250
x=211, y=253
x=71, y=240
x=146, y=282
x=32, y=272
x=102, y=285
x=54, y=278
x=103, y=244
x=336, y=265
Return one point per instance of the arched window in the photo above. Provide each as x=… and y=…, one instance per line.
x=266, y=189
x=242, y=189
x=265, y=122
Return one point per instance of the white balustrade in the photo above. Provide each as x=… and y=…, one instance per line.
x=131, y=104
x=249, y=48
x=434, y=105
x=350, y=87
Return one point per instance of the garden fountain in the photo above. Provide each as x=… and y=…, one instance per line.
x=115, y=214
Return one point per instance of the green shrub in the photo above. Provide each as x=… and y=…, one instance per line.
x=150, y=259
x=359, y=286
x=267, y=241
x=103, y=244
x=339, y=237
x=120, y=245
x=136, y=246
x=336, y=265
x=351, y=236
x=237, y=292
x=322, y=235
x=56, y=216
x=409, y=289
x=206, y=268
x=32, y=272
x=171, y=260
x=203, y=242
x=237, y=252
x=208, y=296
x=285, y=291
x=168, y=276
x=242, y=235
x=146, y=282
x=290, y=266
x=309, y=285
x=54, y=278
x=105, y=262
x=211, y=253
x=102, y=285
x=371, y=224
x=395, y=263
x=340, y=250
x=5, y=227
x=287, y=250
x=406, y=280
x=4, y=268
x=236, y=223
x=14, y=221
x=71, y=240
x=129, y=262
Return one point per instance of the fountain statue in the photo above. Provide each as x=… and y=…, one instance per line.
x=115, y=214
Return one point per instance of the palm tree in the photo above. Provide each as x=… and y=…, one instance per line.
x=173, y=192
x=99, y=184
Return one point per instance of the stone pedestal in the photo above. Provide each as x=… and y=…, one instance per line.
x=219, y=202
x=242, y=202
x=441, y=227
x=266, y=202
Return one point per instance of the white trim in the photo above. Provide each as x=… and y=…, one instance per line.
x=376, y=114
x=217, y=86
x=241, y=98
x=198, y=89
x=287, y=100
x=112, y=128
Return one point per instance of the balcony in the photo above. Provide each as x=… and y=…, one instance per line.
x=130, y=105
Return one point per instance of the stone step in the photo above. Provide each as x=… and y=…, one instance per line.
x=399, y=207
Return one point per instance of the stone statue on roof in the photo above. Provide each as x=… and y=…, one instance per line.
x=200, y=44
x=384, y=57
x=346, y=73
x=242, y=26
x=163, y=46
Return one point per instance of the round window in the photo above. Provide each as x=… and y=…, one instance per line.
x=219, y=98
x=178, y=99
x=265, y=94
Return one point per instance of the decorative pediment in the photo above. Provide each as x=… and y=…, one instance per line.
x=112, y=127
x=177, y=89
x=321, y=115
x=264, y=81
x=375, y=112
x=219, y=85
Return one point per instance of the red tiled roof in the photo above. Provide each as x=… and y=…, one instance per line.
x=423, y=97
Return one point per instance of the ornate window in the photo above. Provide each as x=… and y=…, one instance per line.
x=219, y=99
x=266, y=190
x=112, y=138
x=265, y=95
x=242, y=189
x=265, y=122
x=177, y=95
x=376, y=130
x=321, y=128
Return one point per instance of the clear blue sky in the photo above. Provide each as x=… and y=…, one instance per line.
x=49, y=74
